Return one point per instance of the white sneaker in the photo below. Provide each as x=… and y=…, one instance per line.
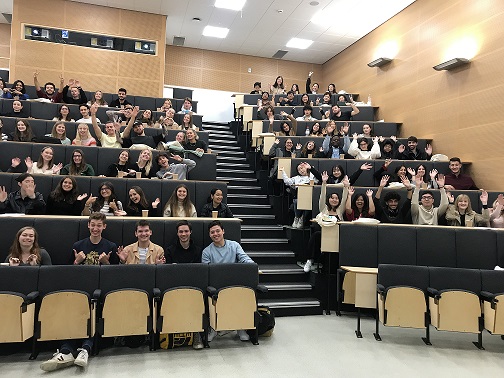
x=244, y=336
x=82, y=358
x=307, y=266
x=58, y=361
x=197, y=343
x=211, y=334
x=295, y=223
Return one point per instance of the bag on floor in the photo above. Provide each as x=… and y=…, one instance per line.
x=266, y=321
x=175, y=340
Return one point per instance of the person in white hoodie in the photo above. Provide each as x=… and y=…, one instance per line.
x=306, y=174
x=359, y=148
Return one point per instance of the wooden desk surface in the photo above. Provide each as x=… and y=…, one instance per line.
x=359, y=269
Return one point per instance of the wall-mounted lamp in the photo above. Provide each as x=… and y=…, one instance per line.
x=379, y=62
x=452, y=63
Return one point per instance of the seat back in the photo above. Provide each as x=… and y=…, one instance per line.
x=225, y=275
x=390, y=275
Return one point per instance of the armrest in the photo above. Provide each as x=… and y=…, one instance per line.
x=212, y=292
x=157, y=294
x=380, y=288
x=261, y=289
x=487, y=296
x=30, y=298
x=433, y=293
x=96, y=295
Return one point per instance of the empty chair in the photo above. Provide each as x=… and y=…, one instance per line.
x=126, y=294
x=454, y=302
x=492, y=285
x=402, y=297
x=232, y=297
x=18, y=291
x=68, y=302
x=179, y=298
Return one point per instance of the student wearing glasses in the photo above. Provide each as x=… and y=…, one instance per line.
x=423, y=211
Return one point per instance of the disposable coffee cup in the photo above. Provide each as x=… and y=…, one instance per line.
x=310, y=156
x=311, y=182
x=469, y=223
x=174, y=176
x=145, y=213
x=138, y=174
x=120, y=174
x=215, y=214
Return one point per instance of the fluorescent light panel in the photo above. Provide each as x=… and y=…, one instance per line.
x=299, y=43
x=214, y=31
x=235, y=5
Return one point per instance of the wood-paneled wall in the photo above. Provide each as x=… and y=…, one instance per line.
x=96, y=69
x=188, y=67
x=5, y=37
x=460, y=109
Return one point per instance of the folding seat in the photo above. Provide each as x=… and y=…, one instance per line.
x=443, y=253
x=9, y=123
x=145, y=102
x=14, y=149
x=492, y=286
x=43, y=110
x=476, y=248
x=206, y=167
x=232, y=303
x=179, y=298
x=397, y=245
x=126, y=298
x=59, y=248
x=18, y=293
x=10, y=226
x=402, y=300
x=454, y=302
x=68, y=302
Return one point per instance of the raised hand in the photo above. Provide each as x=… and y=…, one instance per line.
x=387, y=162
x=325, y=176
x=406, y=182
x=366, y=167
x=484, y=197
x=113, y=205
x=433, y=173
x=500, y=199
x=35, y=74
x=317, y=101
x=77, y=83
x=56, y=168
x=375, y=139
x=91, y=200
x=3, y=194
x=369, y=193
x=123, y=254
x=62, y=79
x=79, y=256
x=411, y=171
x=354, y=136
x=327, y=113
x=135, y=112
x=277, y=141
x=428, y=149
x=71, y=82
x=32, y=260
x=29, y=163
x=384, y=180
x=381, y=139
x=311, y=73
x=156, y=203
x=440, y=180
x=105, y=258
x=351, y=191
x=299, y=146
x=176, y=157
x=401, y=148
x=15, y=162
x=161, y=260
x=346, y=181
x=14, y=261
x=93, y=109
x=450, y=197
x=81, y=196
x=394, y=138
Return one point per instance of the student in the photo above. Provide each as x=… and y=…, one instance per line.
x=120, y=101
x=146, y=118
x=425, y=212
x=360, y=206
x=59, y=132
x=290, y=100
x=111, y=137
x=18, y=110
x=143, y=251
x=179, y=204
x=78, y=165
x=167, y=122
x=106, y=202
x=84, y=137
x=460, y=212
x=295, y=88
x=23, y=132
x=223, y=251
x=257, y=88
x=455, y=179
x=49, y=91
x=307, y=114
x=138, y=202
x=311, y=88
x=86, y=117
x=187, y=123
x=63, y=114
x=65, y=198
x=412, y=152
x=181, y=168
x=134, y=133
x=391, y=212
x=45, y=164
x=3, y=136
x=167, y=104
x=144, y=164
x=25, y=249
x=25, y=200
x=123, y=165
x=278, y=152
x=93, y=250
x=359, y=148
x=193, y=143
x=97, y=99
x=277, y=88
x=497, y=215
x=77, y=94
x=186, y=106
x=16, y=92
x=184, y=251
x=214, y=203
x=331, y=146
x=336, y=114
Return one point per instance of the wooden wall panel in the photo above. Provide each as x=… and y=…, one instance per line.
x=186, y=57
x=5, y=45
x=183, y=76
x=223, y=61
x=96, y=69
x=224, y=80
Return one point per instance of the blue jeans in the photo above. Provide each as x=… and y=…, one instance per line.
x=70, y=346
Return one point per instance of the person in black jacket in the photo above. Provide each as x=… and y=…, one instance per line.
x=25, y=200
x=215, y=204
x=391, y=212
x=183, y=251
x=411, y=152
x=76, y=96
x=65, y=198
x=138, y=202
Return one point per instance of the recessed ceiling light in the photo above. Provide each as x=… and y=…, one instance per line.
x=235, y=5
x=214, y=31
x=196, y=19
x=299, y=43
x=314, y=3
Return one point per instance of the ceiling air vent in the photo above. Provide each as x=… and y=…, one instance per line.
x=8, y=17
x=280, y=54
x=178, y=41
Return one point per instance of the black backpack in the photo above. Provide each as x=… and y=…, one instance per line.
x=266, y=321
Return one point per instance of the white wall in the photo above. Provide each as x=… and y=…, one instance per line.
x=215, y=106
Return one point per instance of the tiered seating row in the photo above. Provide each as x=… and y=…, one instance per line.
x=120, y=230
x=385, y=129
x=100, y=158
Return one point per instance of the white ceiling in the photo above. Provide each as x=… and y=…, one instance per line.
x=259, y=29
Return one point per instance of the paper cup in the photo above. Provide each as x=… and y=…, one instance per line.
x=145, y=213
x=215, y=214
x=138, y=174
x=312, y=182
x=174, y=176
x=120, y=174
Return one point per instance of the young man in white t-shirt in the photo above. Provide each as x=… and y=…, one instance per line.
x=112, y=138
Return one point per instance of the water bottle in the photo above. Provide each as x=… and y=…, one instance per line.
x=369, y=100
x=307, y=131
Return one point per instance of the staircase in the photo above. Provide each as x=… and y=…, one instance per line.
x=290, y=292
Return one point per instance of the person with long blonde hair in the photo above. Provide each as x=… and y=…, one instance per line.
x=179, y=204
x=83, y=137
x=25, y=249
x=460, y=212
x=144, y=164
